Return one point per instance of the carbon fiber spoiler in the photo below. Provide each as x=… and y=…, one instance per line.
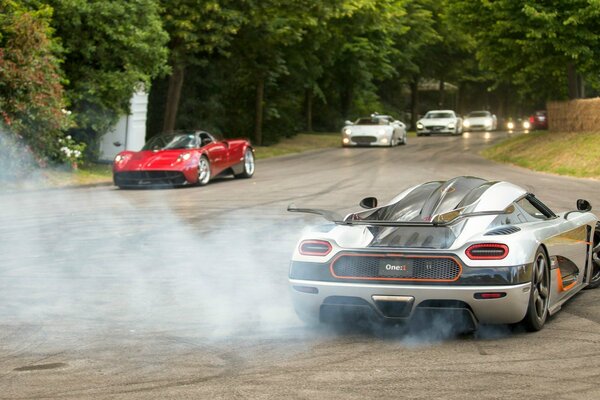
x=337, y=219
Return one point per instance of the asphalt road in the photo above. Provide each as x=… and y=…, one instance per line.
x=153, y=294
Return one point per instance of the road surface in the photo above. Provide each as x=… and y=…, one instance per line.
x=153, y=294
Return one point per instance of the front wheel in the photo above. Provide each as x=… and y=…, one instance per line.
x=595, y=278
x=537, y=310
x=203, y=171
x=248, y=165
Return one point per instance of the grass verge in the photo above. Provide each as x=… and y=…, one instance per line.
x=300, y=143
x=88, y=174
x=572, y=153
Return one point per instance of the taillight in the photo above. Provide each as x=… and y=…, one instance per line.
x=315, y=248
x=487, y=251
x=532, y=119
x=489, y=295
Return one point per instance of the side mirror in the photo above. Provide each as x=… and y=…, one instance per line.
x=348, y=122
x=583, y=205
x=368, y=202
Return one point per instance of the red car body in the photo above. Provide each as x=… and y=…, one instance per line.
x=162, y=163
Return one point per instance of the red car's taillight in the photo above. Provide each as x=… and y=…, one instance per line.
x=315, y=248
x=487, y=251
x=532, y=119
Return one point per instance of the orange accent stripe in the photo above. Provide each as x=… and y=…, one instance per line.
x=394, y=279
x=559, y=279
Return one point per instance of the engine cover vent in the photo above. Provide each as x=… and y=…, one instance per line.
x=503, y=230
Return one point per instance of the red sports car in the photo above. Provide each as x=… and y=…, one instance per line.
x=185, y=158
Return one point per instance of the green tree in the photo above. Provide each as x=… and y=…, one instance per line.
x=530, y=43
x=110, y=49
x=31, y=94
x=197, y=29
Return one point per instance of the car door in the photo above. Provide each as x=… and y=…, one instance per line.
x=567, y=246
x=216, y=151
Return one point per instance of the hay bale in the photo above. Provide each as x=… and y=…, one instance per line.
x=581, y=115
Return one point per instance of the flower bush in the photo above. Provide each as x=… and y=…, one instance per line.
x=70, y=151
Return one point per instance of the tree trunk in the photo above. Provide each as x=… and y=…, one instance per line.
x=346, y=94
x=580, y=86
x=572, y=81
x=173, y=97
x=260, y=94
x=309, y=110
x=414, y=100
x=442, y=93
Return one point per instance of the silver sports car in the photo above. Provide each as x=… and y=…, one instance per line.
x=488, y=251
x=377, y=130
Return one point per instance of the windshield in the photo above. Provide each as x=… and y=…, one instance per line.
x=372, y=121
x=435, y=115
x=479, y=114
x=171, y=142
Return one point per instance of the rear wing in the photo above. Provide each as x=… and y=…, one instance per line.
x=441, y=220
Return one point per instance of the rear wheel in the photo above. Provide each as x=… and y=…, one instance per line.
x=248, y=165
x=537, y=311
x=595, y=279
x=203, y=171
x=404, y=139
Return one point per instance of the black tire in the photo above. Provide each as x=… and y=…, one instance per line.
x=249, y=165
x=204, y=172
x=404, y=139
x=595, y=278
x=537, y=310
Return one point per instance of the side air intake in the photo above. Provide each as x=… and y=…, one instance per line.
x=503, y=230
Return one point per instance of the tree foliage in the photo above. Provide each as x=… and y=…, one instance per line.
x=530, y=43
x=110, y=49
x=31, y=94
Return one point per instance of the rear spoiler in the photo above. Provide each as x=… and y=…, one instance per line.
x=438, y=220
x=330, y=216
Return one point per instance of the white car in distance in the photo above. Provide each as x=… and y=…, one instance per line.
x=440, y=122
x=376, y=130
x=480, y=121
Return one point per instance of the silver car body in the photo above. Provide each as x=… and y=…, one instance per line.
x=413, y=252
x=480, y=121
x=377, y=130
x=440, y=122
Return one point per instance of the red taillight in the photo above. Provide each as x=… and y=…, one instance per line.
x=531, y=119
x=489, y=295
x=487, y=251
x=315, y=248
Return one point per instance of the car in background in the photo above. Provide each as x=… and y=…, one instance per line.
x=480, y=121
x=376, y=130
x=517, y=124
x=440, y=121
x=183, y=158
x=539, y=120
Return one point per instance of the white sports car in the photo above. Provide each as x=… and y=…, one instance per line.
x=480, y=121
x=376, y=130
x=489, y=252
x=440, y=121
